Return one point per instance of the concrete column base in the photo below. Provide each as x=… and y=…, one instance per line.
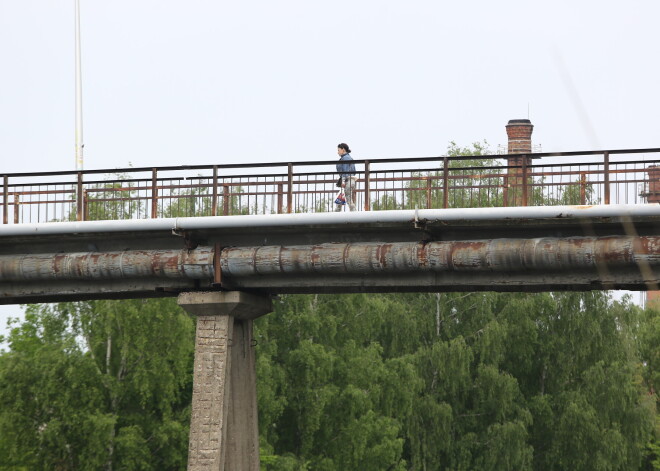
x=224, y=433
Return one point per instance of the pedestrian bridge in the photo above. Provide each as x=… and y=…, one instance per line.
x=538, y=222
x=516, y=222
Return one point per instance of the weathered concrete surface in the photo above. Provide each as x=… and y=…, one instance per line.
x=242, y=451
x=224, y=433
x=208, y=428
x=238, y=304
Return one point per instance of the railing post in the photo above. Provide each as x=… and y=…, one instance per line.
x=85, y=206
x=16, y=202
x=280, y=197
x=214, y=203
x=583, y=189
x=289, y=208
x=367, y=187
x=5, y=200
x=524, y=180
x=225, y=200
x=79, y=198
x=506, y=183
x=154, y=193
x=445, y=183
x=428, y=192
x=606, y=170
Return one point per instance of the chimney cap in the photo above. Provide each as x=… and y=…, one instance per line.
x=513, y=122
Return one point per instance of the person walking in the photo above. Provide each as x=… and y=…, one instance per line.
x=346, y=169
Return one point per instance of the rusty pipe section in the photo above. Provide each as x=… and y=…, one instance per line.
x=496, y=255
x=193, y=264
x=240, y=263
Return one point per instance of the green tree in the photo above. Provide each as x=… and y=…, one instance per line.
x=98, y=385
x=487, y=381
x=650, y=359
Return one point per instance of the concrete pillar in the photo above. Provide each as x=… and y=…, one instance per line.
x=224, y=434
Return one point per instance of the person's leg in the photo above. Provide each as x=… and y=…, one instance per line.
x=338, y=207
x=350, y=193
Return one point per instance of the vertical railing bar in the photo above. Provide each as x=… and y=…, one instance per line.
x=85, y=206
x=246, y=192
x=445, y=183
x=154, y=193
x=524, y=180
x=16, y=203
x=290, y=190
x=367, y=186
x=225, y=200
x=5, y=200
x=606, y=170
x=36, y=209
x=428, y=192
x=280, y=197
x=214, y=203
x=79, y=198
x=507, y=180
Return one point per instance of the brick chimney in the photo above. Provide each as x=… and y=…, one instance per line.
x=653, y=190
x=519, y=132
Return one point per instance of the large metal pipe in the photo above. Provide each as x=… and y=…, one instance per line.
x=193, y=264
x=498, y=255
x=551, y=255
x=313, y=221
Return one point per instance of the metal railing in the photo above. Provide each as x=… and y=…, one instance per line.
x=592, y=177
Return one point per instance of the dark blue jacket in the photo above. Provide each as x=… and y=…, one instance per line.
x=346, y=169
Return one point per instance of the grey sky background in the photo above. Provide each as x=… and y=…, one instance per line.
x=211, y=82
x=198, y=81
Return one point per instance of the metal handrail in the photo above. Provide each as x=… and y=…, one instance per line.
x=436, y=181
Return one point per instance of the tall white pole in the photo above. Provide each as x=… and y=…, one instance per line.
x=79, y=133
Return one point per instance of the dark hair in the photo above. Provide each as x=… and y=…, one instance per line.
x=344, y=146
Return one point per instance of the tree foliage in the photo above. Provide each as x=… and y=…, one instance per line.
x=486, y=381
x=97, y=385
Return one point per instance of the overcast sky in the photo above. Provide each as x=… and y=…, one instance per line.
x=210, y=82
x=206, y=81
